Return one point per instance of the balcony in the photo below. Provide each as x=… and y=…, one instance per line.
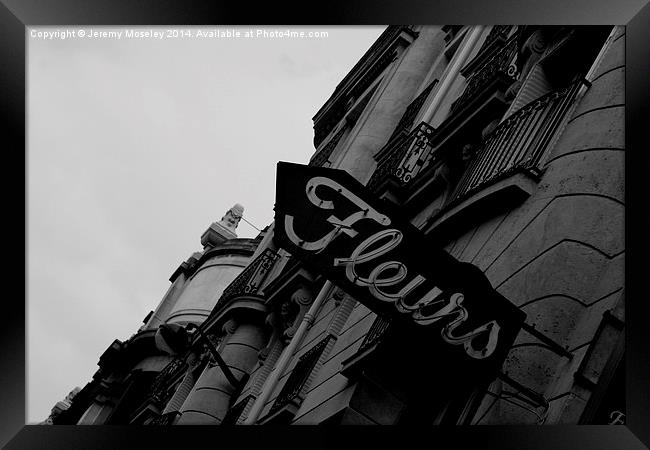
x=500, y=69
x=159, y=390
x=507, y=165
x=518, y=143
x=404, y=157
x=235, y=413
x=407, y=155
x=323, y=155
x=288, y=401
x=495, y=40
x=374, y=337
x=164, y=419
x=408, y=118
x=248, y=282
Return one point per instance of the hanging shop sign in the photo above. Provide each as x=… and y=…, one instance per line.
x=331, y=222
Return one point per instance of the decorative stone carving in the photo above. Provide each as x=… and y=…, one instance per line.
x=230, y=326
x=274, y=321
x=232, y=217
x=489, y=128
x=530, y=52
x=338, y=296
x=467, y=153
x=160, y=385
x=302, y=296
x=289, y=312
x=224, y=229
x=61, y=406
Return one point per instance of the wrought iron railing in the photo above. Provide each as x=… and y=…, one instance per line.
x=502, y=63
x=250, y=279
x=236, y=411
x=406, y=156
x=377, y=330
x=519, y=141
x=408, y=118
x=300, y=375
x=164, y=419
x=161, y=383
x=324, y=154
x=498, y=32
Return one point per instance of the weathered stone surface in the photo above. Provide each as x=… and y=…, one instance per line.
x=395, y=93
x=376, y=403
x=594, y=171
x=595, y=222
x=210, y=399
x=483, y=234
x=553, y=316
x=494, y=409
x=328, y=398
x=508, y=230
x=606, y=90
x=204, y=289
x=569, y=269
x=615, y=56
x=602, y=128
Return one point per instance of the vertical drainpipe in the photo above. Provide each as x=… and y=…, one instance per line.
x=285, y=358
x=458, y=61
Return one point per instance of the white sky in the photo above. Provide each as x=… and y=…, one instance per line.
x=135, y=146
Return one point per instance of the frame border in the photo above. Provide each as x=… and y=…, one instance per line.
x=16, y=15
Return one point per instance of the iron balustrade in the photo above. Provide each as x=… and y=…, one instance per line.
x=518, y=142
x=160, y=385
x=412, y=110
x=300, y=375
x=324, y=154
x=502, y=63
x=498, y=32
x=408, y=155
x=375, y=333
x=164, y=419
x=418, y=154
x=232, y=417
x=251, y=278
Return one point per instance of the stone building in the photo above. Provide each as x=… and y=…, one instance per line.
x=502, y=145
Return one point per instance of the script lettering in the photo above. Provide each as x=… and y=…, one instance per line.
x=340, y=226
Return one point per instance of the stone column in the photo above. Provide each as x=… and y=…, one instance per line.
x=396, y=93
x=210, y=399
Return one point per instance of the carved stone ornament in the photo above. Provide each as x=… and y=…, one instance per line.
x=302, y=296
x=288, y=312
x=527, y=57
x=232, y=217
x=230, y=326
x=338, y=296
x=274, y=321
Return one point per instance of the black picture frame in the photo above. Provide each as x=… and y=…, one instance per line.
x=16, y=15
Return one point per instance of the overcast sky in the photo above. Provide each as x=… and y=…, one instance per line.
x=135, y=146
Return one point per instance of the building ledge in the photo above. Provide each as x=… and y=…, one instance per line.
x=488, y=202
x=282, y=416
x=239, y=305
x=352, y=367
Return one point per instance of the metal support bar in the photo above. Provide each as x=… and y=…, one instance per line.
x=534, y=396
x=554, y=346
x=222, y=364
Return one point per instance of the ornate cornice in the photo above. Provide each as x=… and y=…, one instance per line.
x=372, y=63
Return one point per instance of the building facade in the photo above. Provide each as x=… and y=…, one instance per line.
x=502, y=145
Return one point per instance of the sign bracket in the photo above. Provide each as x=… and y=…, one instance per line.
x=552, y=345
